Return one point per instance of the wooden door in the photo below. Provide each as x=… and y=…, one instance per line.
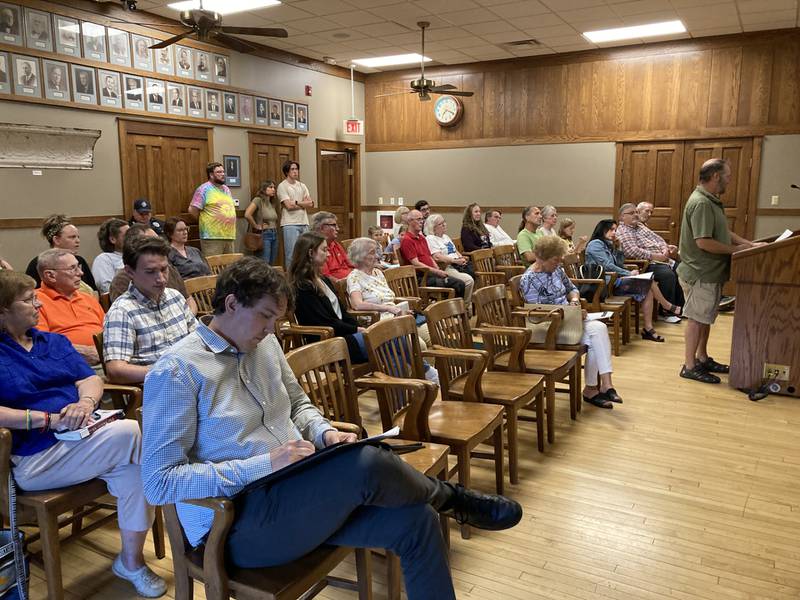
x=163, y=163
x=338, y=185
x=651, y=172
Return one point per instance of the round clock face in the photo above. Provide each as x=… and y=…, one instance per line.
x=448, y=110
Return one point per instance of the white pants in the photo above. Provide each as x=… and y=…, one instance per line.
x=598, y=357
x=111, y=453
x=469, y=283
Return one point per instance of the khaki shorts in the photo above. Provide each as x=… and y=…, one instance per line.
x=702, y=301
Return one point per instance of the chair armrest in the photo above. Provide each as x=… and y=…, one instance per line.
x=118, y=395
x=499, y=339
x=486, y=278
x=413, y=301
x=368, y=316
x=415, y=415
x=440, y=293
x=323, y=332
x=477, y=361
x=347, y=427
x=594, y=304
x=510, y=270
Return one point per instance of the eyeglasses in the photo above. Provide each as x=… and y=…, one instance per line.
x=33, y=300
x=336, y=225
x=76, y=268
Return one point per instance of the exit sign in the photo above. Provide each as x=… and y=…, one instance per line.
x=354, y=127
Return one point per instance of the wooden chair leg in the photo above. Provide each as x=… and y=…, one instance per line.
x=364, y=573
x=77, y=522
x=445, y=521
x=573, y=377
x=158, y=533
x=512, y=430
x=550, y=409
x=393, y=576
x=616, y=329
x=579, y=383
x=540, y=400
x=499, y=476
x=51, y=553
x=464, y=479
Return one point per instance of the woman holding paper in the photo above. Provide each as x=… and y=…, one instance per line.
x=545, y=282
x=603, y=251
x=48, y=386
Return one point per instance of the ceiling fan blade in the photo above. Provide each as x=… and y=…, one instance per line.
x=398, y=93
x=443, y=88
x=172, y=40
x=232, y=42
x=460, y=93
x=265, y=31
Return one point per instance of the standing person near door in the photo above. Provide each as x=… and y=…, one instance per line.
x=213, y=205
x=263, y=218
x=295, y=199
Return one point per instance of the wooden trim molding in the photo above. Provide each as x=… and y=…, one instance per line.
x=36, y=223
x=777, y=212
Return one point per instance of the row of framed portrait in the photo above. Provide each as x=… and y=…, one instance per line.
x=86, y=85
x=64, y=35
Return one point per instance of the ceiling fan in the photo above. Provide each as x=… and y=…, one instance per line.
x=425, y=87
x=206, y=26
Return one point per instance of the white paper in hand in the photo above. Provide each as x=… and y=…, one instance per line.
x=390, y=433
x=786, y=234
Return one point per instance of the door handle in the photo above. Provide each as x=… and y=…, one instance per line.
x=672, y=224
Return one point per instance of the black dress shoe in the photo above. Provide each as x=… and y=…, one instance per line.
x=484, y=511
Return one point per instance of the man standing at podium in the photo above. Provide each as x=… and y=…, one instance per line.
x=705, y=247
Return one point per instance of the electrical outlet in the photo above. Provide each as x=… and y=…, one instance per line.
x=775, y=200
x=776, y=372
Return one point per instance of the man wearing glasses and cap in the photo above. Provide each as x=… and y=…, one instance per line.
x=142, y=213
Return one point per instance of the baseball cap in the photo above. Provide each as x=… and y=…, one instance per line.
x=142, y=205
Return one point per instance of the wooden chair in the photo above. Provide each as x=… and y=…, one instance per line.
x=202, y=290
x=393, y=348
x=105, y=301
x=403, y=282
x=555, y=365
x=323, y=371
x=346, y=244
x=618, y=306
x=449, y=328
x=43, y=509
x=365, y=318
x=485, y=271
x=218, y=262
x=124, y=397
x=506, y=261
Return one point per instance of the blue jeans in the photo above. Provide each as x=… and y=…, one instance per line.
x=270, y=250
x=290, y=235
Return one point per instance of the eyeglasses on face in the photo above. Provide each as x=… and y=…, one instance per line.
x=76, y=268
x=336, y=225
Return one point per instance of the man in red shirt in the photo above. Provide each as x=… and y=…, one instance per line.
x=337, y=267
x=415, y=251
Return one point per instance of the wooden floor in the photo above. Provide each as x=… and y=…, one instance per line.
x=685, y=491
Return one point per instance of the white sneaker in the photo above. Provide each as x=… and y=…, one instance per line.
x=147, y=583
x=670, y=319
x=432, y=375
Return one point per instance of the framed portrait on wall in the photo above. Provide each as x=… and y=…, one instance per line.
x=164, y=60
x=275, y=113
x=11, y=24
x=233, y=169
x=38, y=30
x=245, y=108
x=56, y=80
x=176, y=98
x=155, y=95
x=84, y=88
x=262, y=111
x=119, y=47
x=142, y=55
x=67, y=35
x=110, y=89
x=134, y=92
x=213, y=105
x=5, y=73
x=222, y=69
x=27, y=81
x=230, y=110
x=195, y=102
x=301, y=116
x=202, y=68
x=184, y=65
x=288, y=115
x=94, y=40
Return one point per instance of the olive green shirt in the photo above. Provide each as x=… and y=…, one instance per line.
x=703, y=217
x=526, y=240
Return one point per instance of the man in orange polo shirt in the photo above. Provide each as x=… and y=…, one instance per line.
x=64, y=309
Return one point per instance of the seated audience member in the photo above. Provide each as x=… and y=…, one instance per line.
x=64, y=309
x=444, y=252
x=400, y=228
x=602, y=250
x=63, y=235
x=645, y=210
x=58, y=389
x=111, y=237
x=423, y=207
x=317, y=303
x=187, y=260
x=640, y=242
x=337, y=267
x=545, y=282
x=415, y=251
x=566, y=231
x=376, y=234
x=497, y=236
x=148, y=318
x=528, y=234
x=362, y=497
x=143, y=213
x=474, y=235
x=549, y=220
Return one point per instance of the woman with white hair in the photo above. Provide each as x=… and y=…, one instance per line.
x=549, y=220
x=444, y=252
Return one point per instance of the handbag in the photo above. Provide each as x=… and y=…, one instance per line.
x=253, y=242
x=570, y=331
x=13, y=562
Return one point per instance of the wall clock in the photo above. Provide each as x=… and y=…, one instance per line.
x=448, y=110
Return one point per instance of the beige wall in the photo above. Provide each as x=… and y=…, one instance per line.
x=779, y=169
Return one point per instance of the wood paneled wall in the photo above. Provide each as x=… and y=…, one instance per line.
x=740, y=85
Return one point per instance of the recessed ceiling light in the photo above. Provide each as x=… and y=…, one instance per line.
x=636, y=31
x=390, y=61
x=223, y=7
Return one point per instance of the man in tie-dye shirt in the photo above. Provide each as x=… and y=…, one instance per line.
x=213, y=205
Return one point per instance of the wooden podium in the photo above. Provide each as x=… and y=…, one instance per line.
x=766, y=325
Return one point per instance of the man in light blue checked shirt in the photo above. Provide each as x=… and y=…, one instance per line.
x=222, y=409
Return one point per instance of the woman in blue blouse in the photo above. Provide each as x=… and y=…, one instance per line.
x=602, y=250
x=545, y=282
x=48, y=386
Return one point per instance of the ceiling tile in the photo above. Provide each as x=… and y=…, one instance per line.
x=574, y=48
x=445, y=33
x=773, y=16
x=656, y=17
x=282, y=12
x=562, y=5
x=355, y=17
x=563, y=40
x=505, y=37
x=752, y=6
x=638, y=7
x=322, y=7
x=369, y=4
x=536, y=21
x=549, y=31
x=381, y=29
x=340, y=35
x=489, y=27
x=597, y=25
x=592, y=13
x=520, y=9
x=768, y=26
x=442, y=6
x=462, y=43
x=367, y=44
x=468, y=17
x=315, y=24
x=717, y=31
x=530, y=50
x=709, y=14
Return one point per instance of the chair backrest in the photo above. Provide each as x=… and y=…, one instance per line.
x=403, y=281
x=516, y=296
x=105, y=301
x=571, y=265
x=323, y=371
x=505, y=255
x=218, y=262
x=448, y=324
x=483, y=259
x=493, y=306
x=98, y=345
x=346, y=244
x=340, y=287
x=202, y=290
x=459, y=246
x=590, y=271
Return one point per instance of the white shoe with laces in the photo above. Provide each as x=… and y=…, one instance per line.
x=147, y=583
x=669, y=319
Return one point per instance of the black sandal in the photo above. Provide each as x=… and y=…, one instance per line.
x=698, y=374
x=711, y=366
x=613, y=395
x=600, y=400
x=650, y=334
x=673, y=310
